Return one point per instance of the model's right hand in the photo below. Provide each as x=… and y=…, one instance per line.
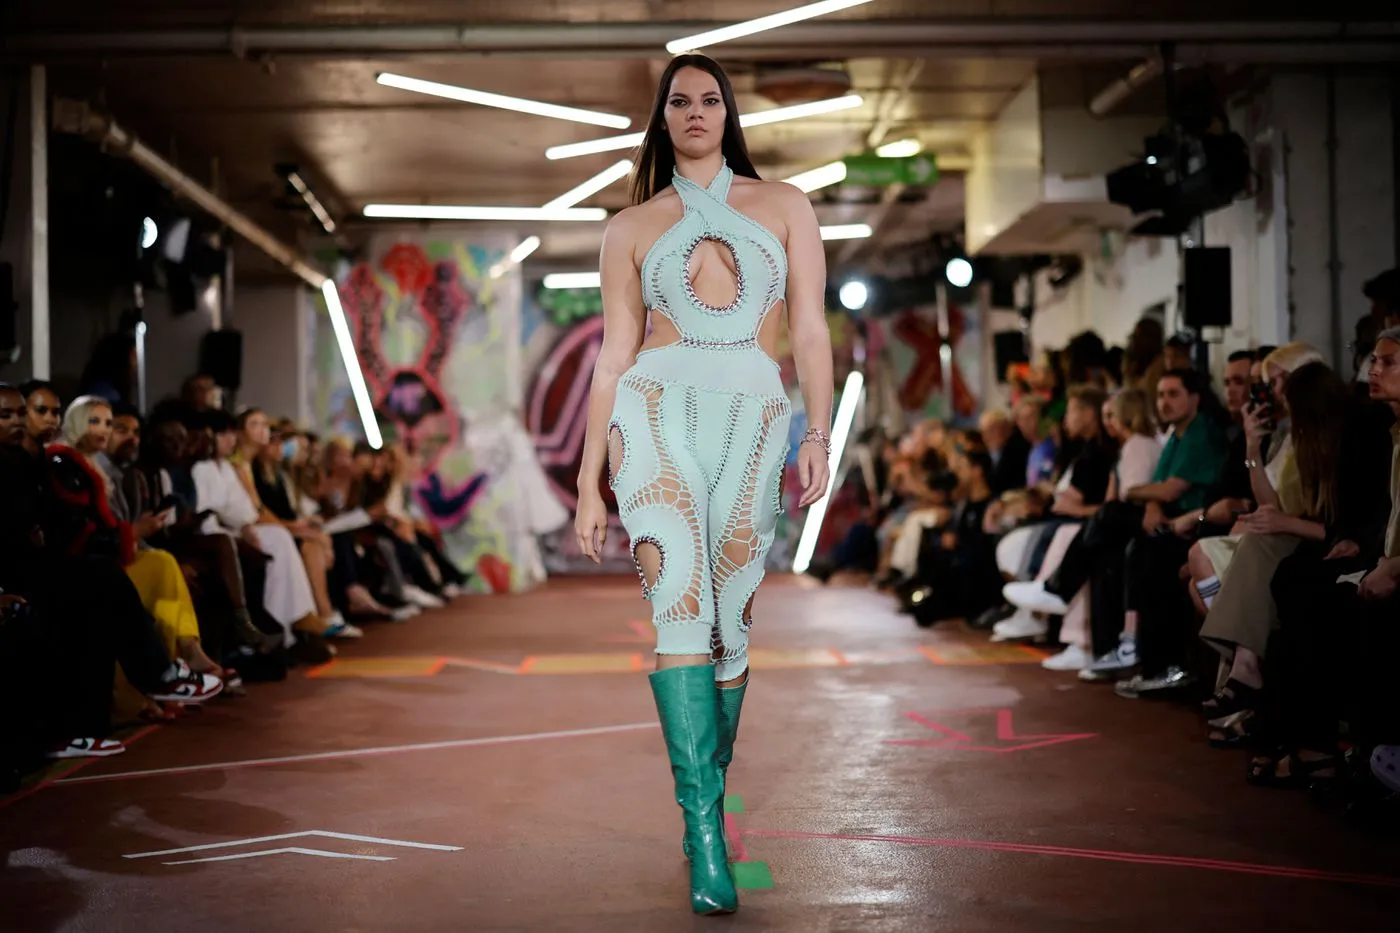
x=591, y=526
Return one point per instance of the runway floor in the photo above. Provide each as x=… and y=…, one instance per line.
x=497, y=767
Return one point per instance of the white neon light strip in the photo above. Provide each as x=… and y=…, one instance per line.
x=516, y=256
x=761, y=118
x=762, y=24
x=846, y=231
x=899, y=149
x=313, y=202
x=830, y=174
x=352, y=364
x=469, y=212
x=593, y=185
x=502, y=102
x=840, y=431
x=573, y=280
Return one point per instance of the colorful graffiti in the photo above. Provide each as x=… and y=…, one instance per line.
x=911, y=343
x=432, y=329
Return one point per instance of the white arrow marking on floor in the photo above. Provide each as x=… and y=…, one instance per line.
x=290, y=850
x=324, y=834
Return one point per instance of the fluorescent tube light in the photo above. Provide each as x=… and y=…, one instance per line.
x=846, y=231
x=840, y=431
x=468, y=212
x=593, y=185
x=502, y=102
x=830, y=174
x=352, y=364
x=516, y=256
x=899, y=149
x=762, y=24
x=760, y=118
x=573, y=280
x=313, y=202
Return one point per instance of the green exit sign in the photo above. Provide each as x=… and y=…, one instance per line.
x=873, y=171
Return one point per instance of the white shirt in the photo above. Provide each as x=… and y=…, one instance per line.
x=1137, y=462
x=218, y=490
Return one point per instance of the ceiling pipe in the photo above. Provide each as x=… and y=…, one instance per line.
x=1119, y=90
x=76, y=117
x=1262, y=41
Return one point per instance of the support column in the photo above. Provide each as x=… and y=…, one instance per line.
x=39, y=222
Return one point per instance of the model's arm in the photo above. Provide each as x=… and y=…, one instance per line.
x=809, y=336
x=624, y=325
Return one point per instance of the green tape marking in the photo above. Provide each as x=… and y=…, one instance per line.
x=752, y=875
x=733, y=803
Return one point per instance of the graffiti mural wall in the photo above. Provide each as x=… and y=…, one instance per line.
x=438, y=337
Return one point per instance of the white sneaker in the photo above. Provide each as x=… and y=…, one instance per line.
x=422, y=598
x=1122, y=658
x=451, y=591
x=1385, y=765
x=337, y=627
x=404, y=613
x=1019, y=626
x=1073, y=658
x=1033, y=596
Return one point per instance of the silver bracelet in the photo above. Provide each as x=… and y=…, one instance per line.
x=819, y=437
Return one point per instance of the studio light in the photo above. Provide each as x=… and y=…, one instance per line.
x=846, y=231
x=899, y=149
x=761, y=118
x=352, y=364
x=772, y=21
x=516, y=256
x=854, y=294
x=149, y=233
x=958, y=271
x=502, y=102
x=468, y=212
x=592, y=186
x=830, y=174
x=840, y=431
x=323, y=216
x=573, y=280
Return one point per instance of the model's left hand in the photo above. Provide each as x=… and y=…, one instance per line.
x=812, y=472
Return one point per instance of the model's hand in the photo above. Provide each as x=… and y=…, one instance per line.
x=591, y=525
x=813, y=472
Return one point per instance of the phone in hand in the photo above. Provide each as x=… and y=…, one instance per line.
x=1262, y=398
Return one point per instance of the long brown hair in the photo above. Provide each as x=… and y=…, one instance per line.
x=656, y=157
x=1320, y=407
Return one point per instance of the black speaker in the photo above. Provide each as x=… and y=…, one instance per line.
x=221, y=357
x=9, y=311
x=1205, y=290
x=1008, y=347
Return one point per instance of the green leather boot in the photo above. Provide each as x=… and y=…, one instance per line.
x=730, y=701
x=689, y=713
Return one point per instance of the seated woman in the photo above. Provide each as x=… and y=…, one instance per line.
x=87, y=428
x=1330, y=491
x=956, y=573
x=1270, y=461
x=317, y=552
x=405, y=517
x=1080, y=490
x=287, y=594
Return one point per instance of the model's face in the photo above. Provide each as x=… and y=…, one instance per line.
x=1237, y=385
x=695, y=113
x=1383, y=376
x=99, y=430
x=12, y=417
x=126, y=437
x=256, y=430
x=45, y=416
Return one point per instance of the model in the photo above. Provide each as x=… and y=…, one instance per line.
x=692, y=419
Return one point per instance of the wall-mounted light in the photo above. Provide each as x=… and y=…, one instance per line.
x=762, y=24
x=503, y=102
x=840, y=431
x=760, y=118
x=363, y=403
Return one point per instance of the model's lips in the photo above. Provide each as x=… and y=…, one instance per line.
x=695, y=131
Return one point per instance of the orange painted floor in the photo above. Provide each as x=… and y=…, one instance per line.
x=496, y=767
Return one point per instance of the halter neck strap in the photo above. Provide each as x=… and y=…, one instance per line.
x=718, y=188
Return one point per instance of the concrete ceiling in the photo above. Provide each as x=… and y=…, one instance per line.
x=246, y=85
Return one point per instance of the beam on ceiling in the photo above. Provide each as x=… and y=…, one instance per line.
x=1254, y=42
x=874, y=138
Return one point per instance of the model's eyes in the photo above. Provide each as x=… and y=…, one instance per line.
x=679, y=101
x=712, y=101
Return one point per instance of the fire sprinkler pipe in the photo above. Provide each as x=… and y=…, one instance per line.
x=1117, y=92
x=76, y=117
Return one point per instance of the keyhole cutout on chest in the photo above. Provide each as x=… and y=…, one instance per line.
x=713, y=272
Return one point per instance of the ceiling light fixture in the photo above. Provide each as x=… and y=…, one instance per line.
x=470, y=212
x=574, y=280
x=593, y=185
x=830, y=174
x=502, y=102
x=322, y=215
x=846, y=231
x=352, y=364
x=516, y=256
x=840, y=431
x=760, y=118
x=899, y=149
x=762, y=24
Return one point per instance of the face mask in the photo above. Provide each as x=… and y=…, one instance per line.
x=289, y=449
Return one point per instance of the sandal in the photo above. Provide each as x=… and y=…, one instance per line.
x=1232, y=698
x=1264, y=770
x=1234, y=731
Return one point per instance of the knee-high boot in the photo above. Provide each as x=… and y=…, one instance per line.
x=729, y=703
x=689, y=713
